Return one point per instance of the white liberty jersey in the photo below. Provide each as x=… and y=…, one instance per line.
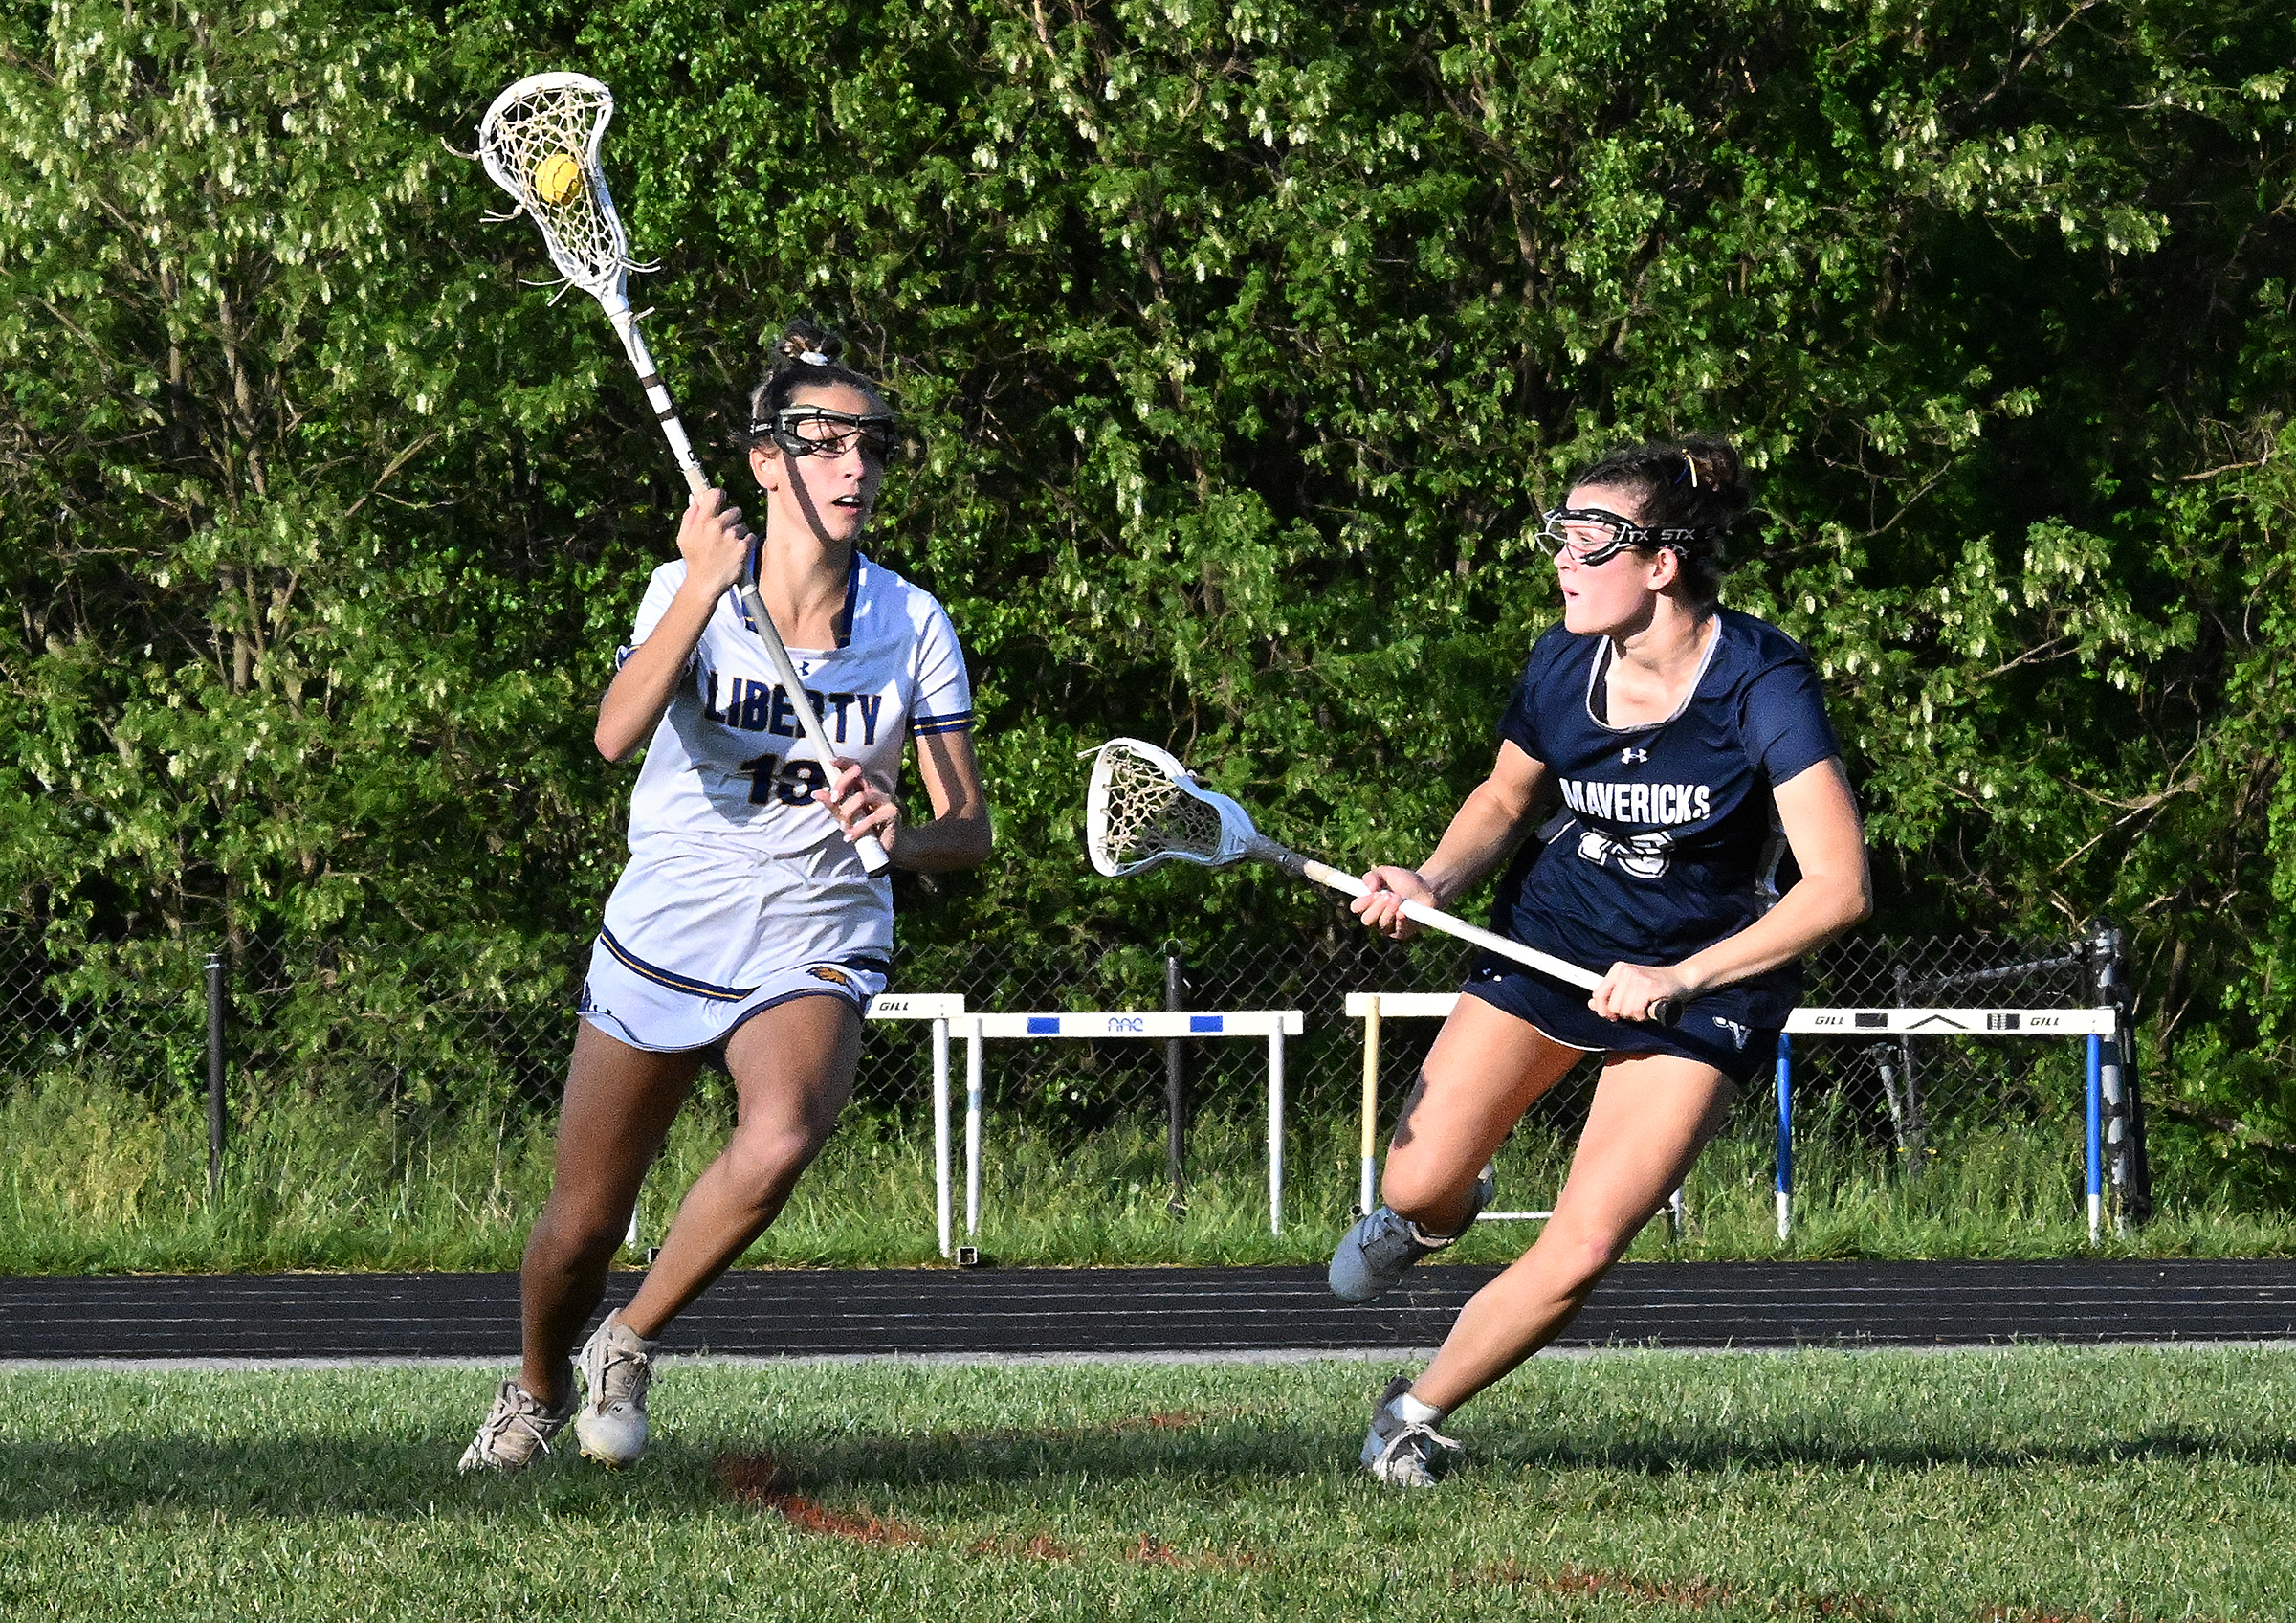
x=729, y=760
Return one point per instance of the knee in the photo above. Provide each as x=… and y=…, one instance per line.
x=1425, y=1194
x=1578, y=1260
x=575, y=1234
x=765, y=1163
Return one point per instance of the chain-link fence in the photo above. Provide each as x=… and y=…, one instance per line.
x=327, y=1021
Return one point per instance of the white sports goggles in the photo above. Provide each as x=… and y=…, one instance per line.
x=816, y=431
x=1595, y=535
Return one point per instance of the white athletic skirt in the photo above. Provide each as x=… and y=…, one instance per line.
x=697, y=941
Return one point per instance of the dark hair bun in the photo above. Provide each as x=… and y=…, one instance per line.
x=800, y=339
x=1714, y=468
x=1697, y=483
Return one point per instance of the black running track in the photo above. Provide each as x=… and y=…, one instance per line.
x=1023, y=1311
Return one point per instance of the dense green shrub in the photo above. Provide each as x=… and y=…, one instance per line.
x=1244, y=340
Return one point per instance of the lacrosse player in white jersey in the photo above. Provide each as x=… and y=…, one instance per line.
x=745, y=928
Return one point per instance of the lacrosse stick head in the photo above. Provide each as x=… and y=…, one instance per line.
x=539, y=141
x=1145, y=807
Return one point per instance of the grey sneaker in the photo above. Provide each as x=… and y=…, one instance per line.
x=516, y=1429
x=1381, y=1247
x=617, y=1366
x=1403, y=1454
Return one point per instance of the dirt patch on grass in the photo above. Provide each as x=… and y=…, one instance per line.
x=1700, y=1594
x=1042, y=1547
x=759, y=1480
x=1153, y=1552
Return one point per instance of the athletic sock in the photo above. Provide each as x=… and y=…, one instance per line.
x=1412, y=1411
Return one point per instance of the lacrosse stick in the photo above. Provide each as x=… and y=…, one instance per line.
x=539, y=141
x=1145, y=807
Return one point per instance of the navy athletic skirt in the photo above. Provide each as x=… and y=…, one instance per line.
x=1734, y=1028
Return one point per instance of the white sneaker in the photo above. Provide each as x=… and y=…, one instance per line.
x=617, y=1366
x=516, y=1429
x=1404, y=1452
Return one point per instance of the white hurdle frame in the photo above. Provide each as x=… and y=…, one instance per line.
x=942, y=1009
x=2095, y=1024
x=1272, y=1023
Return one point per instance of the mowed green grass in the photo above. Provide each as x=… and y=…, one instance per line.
x=2021, y=1484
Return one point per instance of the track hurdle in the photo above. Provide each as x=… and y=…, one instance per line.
x=939, y=1007
x=2094, y=1023
x=1272, y=1023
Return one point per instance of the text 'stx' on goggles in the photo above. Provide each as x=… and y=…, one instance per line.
x=1595, y=535
x=816, y=431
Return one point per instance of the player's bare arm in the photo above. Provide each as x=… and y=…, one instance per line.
x=1486, y=826
x=1820, y=816
x=714, y=542
x=959, y=835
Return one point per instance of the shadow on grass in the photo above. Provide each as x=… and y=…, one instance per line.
x=330, y=1476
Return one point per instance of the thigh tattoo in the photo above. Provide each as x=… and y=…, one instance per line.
x=1403, y=1123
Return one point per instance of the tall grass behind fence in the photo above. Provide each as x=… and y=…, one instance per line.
x=355, y=1090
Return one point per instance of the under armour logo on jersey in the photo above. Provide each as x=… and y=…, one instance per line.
x=1633, y=757
x=1738, y=1034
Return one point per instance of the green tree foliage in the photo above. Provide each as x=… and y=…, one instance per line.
x=1244, y=340
x=296, y=654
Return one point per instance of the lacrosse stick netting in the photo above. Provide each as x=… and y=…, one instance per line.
x=540, y=141
x=1145, y=807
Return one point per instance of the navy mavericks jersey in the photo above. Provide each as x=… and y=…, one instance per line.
x=1666, y=839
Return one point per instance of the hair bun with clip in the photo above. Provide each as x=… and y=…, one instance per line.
x=804, y=345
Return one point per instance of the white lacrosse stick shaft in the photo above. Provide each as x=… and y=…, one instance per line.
x=1435, y=918
x=1663, y=1012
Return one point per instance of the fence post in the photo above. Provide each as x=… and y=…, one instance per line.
x=1176, y=1089
x=2129, y=1174
x=215, y=1111
x=1909, y=1115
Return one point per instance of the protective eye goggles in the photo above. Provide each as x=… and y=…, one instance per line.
x=816, y=431
x=1595, y=535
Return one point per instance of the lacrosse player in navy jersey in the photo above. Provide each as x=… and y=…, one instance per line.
x=745, y=929
x=1661, y=758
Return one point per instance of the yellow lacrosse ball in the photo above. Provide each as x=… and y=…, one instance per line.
x=556, y=179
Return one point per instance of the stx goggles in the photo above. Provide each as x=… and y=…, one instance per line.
x=1595, y=535
x=816, y=431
